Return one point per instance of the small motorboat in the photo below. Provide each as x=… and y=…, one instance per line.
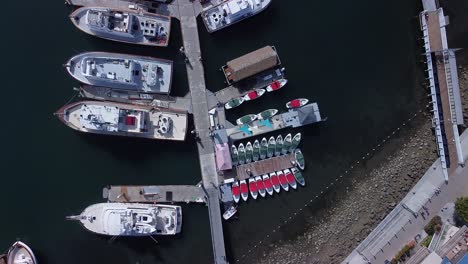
x=300, y=162
x=282, y=180
x=260, y=186
x=244, y=190
x=290, y=178
x=256, y=150
x=276, y=85
x=275, y=182
x=267, y=114
x=296, y=103
x=234, y=103
x=229, y=212
x=295, y=142
x=298, y=175
x=279, y=145
x=20, y=253
x=253, y=188
x=286, y=144
x=268, y=184
x=252, y=95
x=271, y=147
x=248, y=152
x=234, y=155
x=235, y=189
x=246, y=119
x=241, y=154
x=263, y=148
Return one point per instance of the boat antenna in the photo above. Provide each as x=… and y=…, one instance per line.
x=154, y=239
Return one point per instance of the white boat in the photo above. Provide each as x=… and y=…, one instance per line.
x=20, y=253
x=267, y=114
x=255, y=94
x=282, y=180
x=248, y=152
x=279, y=145
x=229, y=212
x=234, y=103
x=290, y=178
x=286, y=144
x=234, y=155
x=271, y=147
x=244, y=190
x=276, y=85
x=275, y=182
x=131, y=219
x=256, y=150
x=268, y=184
x=296, y=103
x=295, y=142
x=235, y=189
x=263, y=148
x=241, y=153
x=246, y=119
x=253, y=188
x=298, y=175
x=299, y=159
x=260, y=186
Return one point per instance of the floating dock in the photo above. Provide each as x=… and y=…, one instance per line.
x=265, y=166
x=155, y=194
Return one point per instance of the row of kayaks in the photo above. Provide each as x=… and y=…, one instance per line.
x=255, y=94
x=267, y=184
x=266, y=149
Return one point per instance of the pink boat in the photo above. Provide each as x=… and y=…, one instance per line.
x=244, y=190
x=275, y=182
x=253, y=188
x=290, y=178
x=268, y=184
x=235, y=189
x=283, y=181
x=276, y=85
x=252, y=95
x=260, y=186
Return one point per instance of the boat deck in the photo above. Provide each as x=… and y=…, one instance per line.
x=155, y=194
x=265, y=166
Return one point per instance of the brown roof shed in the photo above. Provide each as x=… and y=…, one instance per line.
x=251, y=64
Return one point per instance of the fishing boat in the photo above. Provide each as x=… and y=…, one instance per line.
x=244, y=190
x=229, y=212
x=296, y=103
x=256, y=150
x=295, y=142
x=111, y=118
x=234, y=103
x=298, y=175
x=20, y=253
x=263, y=148
x=260, y=186
x=234, y=155
x=253, y=188
x=246, y=119
x=122, y=71
x=135, y=27
x=299, y=159
x=131, y=219
x=286, y=144
x=267, y=114
x=268, y=184
x=241, y=153
x=255, y=94
x=276, y=85
x=275, y=182
x=279, y=145
x=235, y=189
x=271, y=147
x=248, y=152
x=230, y=12
x=282, y=180
x=290, y=178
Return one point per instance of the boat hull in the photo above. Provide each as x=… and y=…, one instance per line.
x=19, y=252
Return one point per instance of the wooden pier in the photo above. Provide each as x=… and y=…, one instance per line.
x=155, y=194
x=266, y=166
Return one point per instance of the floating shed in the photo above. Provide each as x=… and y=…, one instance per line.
x=251, y=64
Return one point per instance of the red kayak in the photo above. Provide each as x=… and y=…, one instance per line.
x=268, y=184
x=235, y=189
x=253, y=188
x=290, y=178
x=276, y=85
x=296, y=103
x=252, y=95
x=275, y=182
x=244, y=190
x=260, y=186
x=283, y=181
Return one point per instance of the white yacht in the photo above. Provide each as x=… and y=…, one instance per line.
x=131, y=219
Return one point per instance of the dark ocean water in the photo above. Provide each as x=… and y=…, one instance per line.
x=357, y=59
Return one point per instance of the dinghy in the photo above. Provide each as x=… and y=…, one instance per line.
x=229, y=212
x=290, y=178
x=235, y=189
x=246, y=119
x=286, y=144
x=296, y=103
x=271, y=147
x=253, y=188
x=260, y=186
x=299, y=159
x=234, y=103
x=275, y=182
x=256, y=150
x=248, y=152
x=276, y=85
x=234, y=155
x=244, y=190
x=268, y=184
x=241, y=154
x=282, y=180
x=252, y=95
x=263, y=148
x=298, y=175
x=279, y=145
x=267, y=114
